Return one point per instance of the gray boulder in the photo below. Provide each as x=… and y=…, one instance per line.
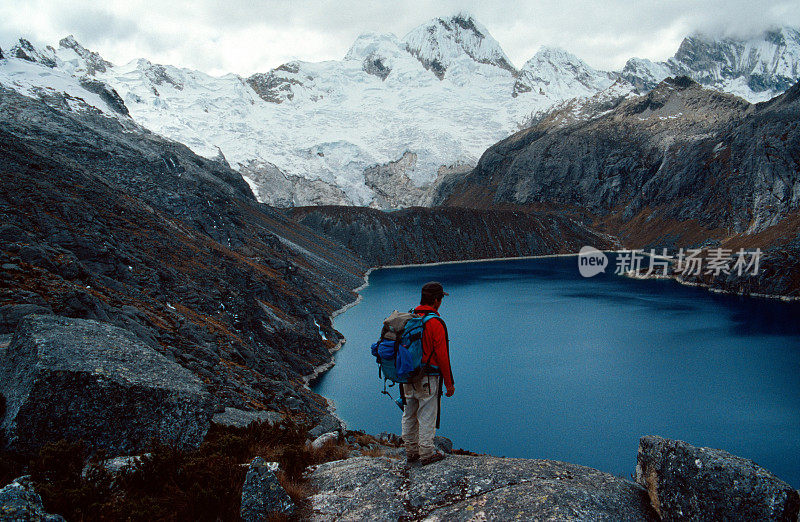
x=262, y=494
x=473, y=488
x=12, y=314
x=685, y=482
x=324, y=438
x=327, y=424
x=19, y=501
x=80, y=379
x=443, y=444
x=237, y=418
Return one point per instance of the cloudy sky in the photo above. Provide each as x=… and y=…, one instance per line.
x=247, y=36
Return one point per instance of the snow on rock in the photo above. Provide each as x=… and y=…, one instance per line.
x=441, y=42
x=346, y=131
x=379, y=54
x=311, y=130
x=24, y=50
x=756, y=68
x=644, y=74
x=559, y=75
x=80, y=59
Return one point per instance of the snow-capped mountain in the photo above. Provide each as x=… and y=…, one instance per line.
x=459, y=41
x=393, y=113
x=556, y=74
x=42, y=73
x=756, y=69
x=385, y=122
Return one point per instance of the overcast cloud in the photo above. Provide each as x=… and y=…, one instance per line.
x=221, y=36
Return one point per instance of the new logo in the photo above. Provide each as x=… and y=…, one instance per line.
x=591, y=261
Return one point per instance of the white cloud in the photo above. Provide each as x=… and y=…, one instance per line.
x=244, y=36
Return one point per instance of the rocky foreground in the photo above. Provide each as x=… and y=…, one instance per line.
x=474, y=488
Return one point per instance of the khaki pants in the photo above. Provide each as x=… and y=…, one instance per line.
x=419, y=415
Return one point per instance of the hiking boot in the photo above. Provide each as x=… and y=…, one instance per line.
x=436, y=457
x=410, y=459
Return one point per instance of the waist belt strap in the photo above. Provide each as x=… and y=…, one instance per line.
x=439, y=402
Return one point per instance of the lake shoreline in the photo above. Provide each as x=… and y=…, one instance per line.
x=324, y=368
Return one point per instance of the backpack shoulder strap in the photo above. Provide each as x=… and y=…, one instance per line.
x=433, y=315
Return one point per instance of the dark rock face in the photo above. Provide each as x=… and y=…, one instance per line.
x=242, y=419
x=374, y=65
x=107, y=93
x=94, y=62
x=262, y=494
x=425, y=235
x=276, y=85
x=681, y=166
x=20, y=502
x=604, y=164
x=26, y=51
x=102, y=220
x=473, y=488
x=327, y=424
x=78, y=379
x=689, y=483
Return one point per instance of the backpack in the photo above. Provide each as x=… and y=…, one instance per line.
x=399, y=350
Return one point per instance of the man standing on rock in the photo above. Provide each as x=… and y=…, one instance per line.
x=422, y=396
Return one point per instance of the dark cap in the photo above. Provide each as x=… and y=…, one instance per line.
x=433, y=289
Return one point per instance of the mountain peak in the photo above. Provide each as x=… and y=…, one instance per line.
x=377, y=52
x=25, y=50
x=438, y=43
x=92, y=62
x=554, y=52
x=555, y=72
x=368, y=43
x=766, y=62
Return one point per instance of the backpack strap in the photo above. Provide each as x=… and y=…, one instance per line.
x=433, y=315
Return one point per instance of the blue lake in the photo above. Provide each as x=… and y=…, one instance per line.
x=552, y=365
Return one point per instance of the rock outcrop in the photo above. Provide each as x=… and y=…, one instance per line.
x=236, y=418
x=101, y=219
x=473, y=488
x=20, y=502
x=764, y=65
x=77, y=379
x=685, y=482
x=262, y=494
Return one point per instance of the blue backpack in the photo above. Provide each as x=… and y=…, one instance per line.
x=399, y=350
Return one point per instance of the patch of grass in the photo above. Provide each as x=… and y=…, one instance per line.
x=372, y=452
x=299, y=490
x=168, y=483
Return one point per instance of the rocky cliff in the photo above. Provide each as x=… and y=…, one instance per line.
x=681, y=166
x=427, y=235
x=104, y=220
x=674, y=481
x=756, y=68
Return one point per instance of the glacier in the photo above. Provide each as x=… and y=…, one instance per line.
x=390, y=119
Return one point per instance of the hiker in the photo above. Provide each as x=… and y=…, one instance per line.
x=422, y=395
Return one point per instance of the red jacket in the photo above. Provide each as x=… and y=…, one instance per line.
x=434, y=338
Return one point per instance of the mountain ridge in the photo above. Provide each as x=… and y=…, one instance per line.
x=310, y=133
